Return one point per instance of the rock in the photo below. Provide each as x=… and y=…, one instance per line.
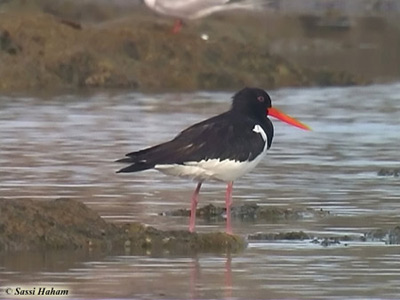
x=150, y=239
x=251, y=212
x=292, y=235
x=302, y=236
x=7, y=44
x=394, y=236
x=330, y=241
x=69, y=224
x=62, y=51
x=389, y=236
x=389, y=172
x=62, y=223
x=329, y=78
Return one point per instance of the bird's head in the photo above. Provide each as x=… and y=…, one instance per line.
x=257, y=102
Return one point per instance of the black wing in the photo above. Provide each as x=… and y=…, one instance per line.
x=225, y=136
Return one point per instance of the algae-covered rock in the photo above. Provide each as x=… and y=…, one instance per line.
x=389, y=236
x=178, y=241
x=292, y=235
x=390, y=172
x=251, y=211
x=7, y=44
x=62, y=223
x=60, y=44
x=70, y=224
x=324, y=241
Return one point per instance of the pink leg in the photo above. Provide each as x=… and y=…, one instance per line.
x=228, y=204
x=177, y=26
x=195, y=200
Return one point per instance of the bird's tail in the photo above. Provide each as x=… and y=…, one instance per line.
x=135, y=166
x=139, y=160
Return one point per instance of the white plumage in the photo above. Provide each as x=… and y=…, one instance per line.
x=194, y=9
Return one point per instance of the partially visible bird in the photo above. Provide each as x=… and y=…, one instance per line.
x=222, y=148
x=194, y=9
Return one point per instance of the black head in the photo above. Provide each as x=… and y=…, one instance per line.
x=251, y=101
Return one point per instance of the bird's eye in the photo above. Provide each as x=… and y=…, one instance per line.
x=260, y=98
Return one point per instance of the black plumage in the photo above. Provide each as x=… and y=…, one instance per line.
x=230, y=135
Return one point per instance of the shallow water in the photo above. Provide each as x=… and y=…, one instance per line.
x=64, y=146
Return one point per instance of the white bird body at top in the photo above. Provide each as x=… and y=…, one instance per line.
x=194, y=9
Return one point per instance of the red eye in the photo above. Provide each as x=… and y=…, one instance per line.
x=260, y=98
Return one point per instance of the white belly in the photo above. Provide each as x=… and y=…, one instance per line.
x=225, y=170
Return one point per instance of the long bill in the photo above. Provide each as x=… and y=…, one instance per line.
x=276, y=113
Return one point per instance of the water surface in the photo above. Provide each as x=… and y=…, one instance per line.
x=65, y=146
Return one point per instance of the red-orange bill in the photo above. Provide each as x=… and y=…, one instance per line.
x=276, y=113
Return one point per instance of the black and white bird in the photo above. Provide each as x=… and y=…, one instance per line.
x=222, y=148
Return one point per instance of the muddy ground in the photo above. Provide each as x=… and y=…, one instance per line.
x=56, y=45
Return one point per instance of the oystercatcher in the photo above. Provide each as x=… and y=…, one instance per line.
x=221, y=148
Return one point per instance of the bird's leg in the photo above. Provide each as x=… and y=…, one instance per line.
x=228, y=204
x=177, y=26
x=195, y=200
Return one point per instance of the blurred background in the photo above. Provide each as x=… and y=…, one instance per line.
x=124, y=44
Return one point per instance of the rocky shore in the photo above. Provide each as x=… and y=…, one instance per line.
x=52, y=47
x=69, y=224
x=64, y=224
